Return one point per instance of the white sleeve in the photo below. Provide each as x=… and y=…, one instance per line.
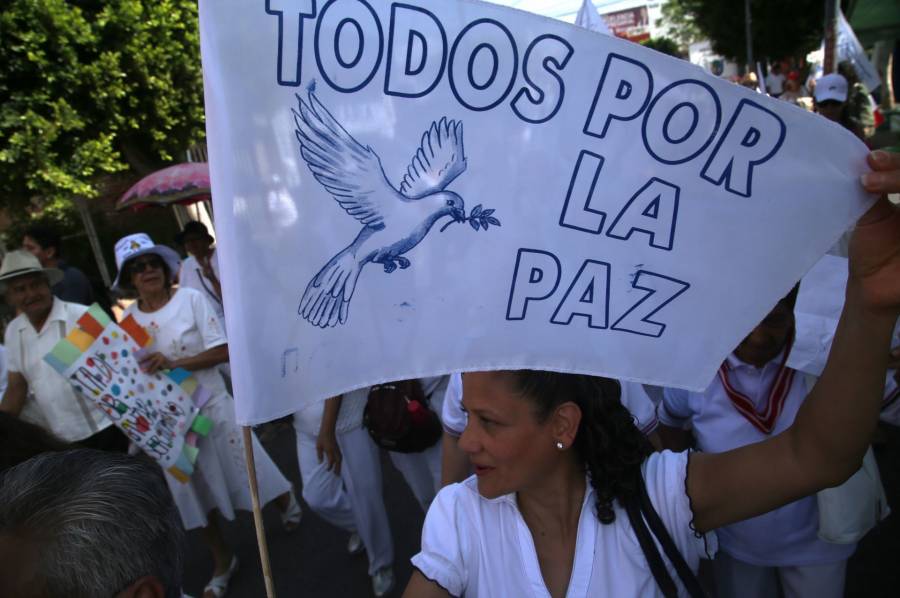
x=211, y=330
x=186, y=274
x=665, y=474
x=12, y=353
x=452, y=415
x=444, y=544
x=3, y=374
x=675, y=409
x=890, y=408
x=642, y=409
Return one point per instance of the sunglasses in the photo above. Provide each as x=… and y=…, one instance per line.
x=139, y=265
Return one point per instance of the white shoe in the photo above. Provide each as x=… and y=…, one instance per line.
x=383, y=581
x=218, y=585
x=354, y=544
x=290, y=518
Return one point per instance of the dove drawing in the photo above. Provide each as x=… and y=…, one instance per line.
x=393, y=221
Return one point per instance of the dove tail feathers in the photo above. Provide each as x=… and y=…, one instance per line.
x=326, y=301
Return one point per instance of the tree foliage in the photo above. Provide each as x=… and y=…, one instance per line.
x=779, y=28
x=680, y=24
x=89, y=87
x=666, y=45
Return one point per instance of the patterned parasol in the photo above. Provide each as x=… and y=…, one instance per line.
x=183, y=184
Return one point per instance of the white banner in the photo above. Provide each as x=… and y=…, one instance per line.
x=849, y=48
x=406, y=189
x=590, y=19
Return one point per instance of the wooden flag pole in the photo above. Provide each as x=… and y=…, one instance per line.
x=257, y=513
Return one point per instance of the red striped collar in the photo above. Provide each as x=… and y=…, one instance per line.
x=765, y=420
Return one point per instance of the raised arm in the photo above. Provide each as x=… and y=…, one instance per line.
x=832, y=430
x=421, y=587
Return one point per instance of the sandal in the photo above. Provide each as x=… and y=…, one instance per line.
x=290, y=518
x=218, y=585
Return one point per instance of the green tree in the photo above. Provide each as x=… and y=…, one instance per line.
x=666, y=45
x=90, y=87
x=680, y=24
x=779, y=29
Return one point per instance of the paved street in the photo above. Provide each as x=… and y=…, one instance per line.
x=312, y=562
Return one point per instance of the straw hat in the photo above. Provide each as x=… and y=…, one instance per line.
x=19, y=263
x=138, y=244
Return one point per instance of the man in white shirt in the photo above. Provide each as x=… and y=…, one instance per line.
x=3, y=374
x=42, y=321
x=775, y=81
x=754, y=396
x=200, y=270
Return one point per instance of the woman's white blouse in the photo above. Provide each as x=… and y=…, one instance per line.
x=481, y=548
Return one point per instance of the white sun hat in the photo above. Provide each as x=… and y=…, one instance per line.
x=19, y=263
x=138, y=244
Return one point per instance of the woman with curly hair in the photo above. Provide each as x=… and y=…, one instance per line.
x=565, y=500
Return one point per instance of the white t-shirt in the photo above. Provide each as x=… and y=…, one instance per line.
x=69, y=416
x=482, y=548
x=183, y=327
x=4, y=376
x=191, y=276
x=634, y=397
x=775, y=84
x=353, y=404
x=787, y=536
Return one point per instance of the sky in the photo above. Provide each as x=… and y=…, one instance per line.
x=559, y=9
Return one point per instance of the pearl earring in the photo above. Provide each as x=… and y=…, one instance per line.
x=560, y=445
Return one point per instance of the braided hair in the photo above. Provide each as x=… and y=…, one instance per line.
x=607, y=442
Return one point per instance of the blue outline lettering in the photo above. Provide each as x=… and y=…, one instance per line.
x=282, y=80
x=531, y=280
x=726, y=174
x=652, y=309
x=549, y=63
x=515, y=65
x=693, y=128
x=493, y=75
x=362, y=53
x=443, y=55
x=588, y=296
x=573, y=223
x=408, y=67
x=655, y=203
x=337, y=49
x=623, y=92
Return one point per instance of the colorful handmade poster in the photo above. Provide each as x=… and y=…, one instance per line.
x=159, y=412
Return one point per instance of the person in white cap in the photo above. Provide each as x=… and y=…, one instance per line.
x=187, y=334
x=831, y=101
x=43, y=321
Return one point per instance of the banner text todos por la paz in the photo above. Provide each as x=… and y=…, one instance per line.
x=404, y=189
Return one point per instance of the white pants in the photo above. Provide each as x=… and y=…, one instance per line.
x=353, y=500
x=737, y=579
x=422, y=471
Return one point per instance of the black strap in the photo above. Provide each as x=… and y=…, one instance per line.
x=638, y=511
x=659, y=530
x=648, y=547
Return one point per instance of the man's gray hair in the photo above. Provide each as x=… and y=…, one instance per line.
x=102, y=521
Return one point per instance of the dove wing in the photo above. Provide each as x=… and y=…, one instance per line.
x=440, y=159
x=350, y=172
